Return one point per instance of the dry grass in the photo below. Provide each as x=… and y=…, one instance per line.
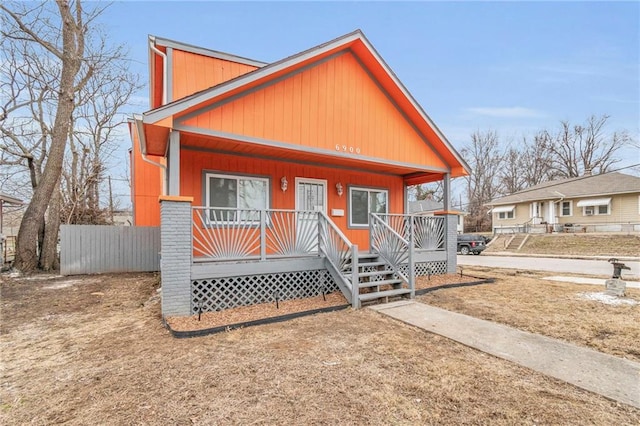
x=576, y=244
x=554, y=309
x=95, y=352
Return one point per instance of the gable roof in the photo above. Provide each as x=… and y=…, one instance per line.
x=583, y=186
x=357, y=43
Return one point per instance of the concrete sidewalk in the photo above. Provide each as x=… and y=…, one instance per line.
x=610, y=376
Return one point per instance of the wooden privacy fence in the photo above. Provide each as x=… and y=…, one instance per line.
x=93, y=249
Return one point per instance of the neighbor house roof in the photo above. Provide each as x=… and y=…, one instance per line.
x=583, y=186
x=424, y=206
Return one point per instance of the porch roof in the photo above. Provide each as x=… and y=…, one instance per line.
x=155, y=124
x=268, y=150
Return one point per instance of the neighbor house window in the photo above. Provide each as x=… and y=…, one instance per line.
x=595, y=206
x=363, y=201
x=566, y=208
x=245, y=193
x=505, y=212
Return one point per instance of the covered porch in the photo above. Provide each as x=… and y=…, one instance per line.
x=214, y=259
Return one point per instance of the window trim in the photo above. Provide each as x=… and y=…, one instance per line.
x=596, y=210
x=562, y=208
x=505, y=215
x=208, y=174
x=368, y=189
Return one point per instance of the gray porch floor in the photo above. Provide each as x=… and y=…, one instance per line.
x=607, y=375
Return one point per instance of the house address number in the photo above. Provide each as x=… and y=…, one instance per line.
x=345, y=148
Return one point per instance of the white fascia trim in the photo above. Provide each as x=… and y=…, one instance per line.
x=208, y=52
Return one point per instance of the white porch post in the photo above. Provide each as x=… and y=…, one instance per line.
x=173, y=163
x=446, y=184
x=451, y=227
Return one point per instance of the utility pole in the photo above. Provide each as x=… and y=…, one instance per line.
x=110, y=201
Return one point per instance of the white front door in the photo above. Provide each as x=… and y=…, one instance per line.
x=311, y=195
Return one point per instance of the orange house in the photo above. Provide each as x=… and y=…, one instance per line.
x=295, y=170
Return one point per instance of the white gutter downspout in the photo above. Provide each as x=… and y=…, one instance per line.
x=164, y=68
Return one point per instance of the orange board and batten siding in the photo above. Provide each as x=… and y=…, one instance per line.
x=332, y=105
x=146, y=187
x=198, y=163
x=193, y=72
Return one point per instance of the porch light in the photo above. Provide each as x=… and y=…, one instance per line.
x=284, y=184
x=339, y=189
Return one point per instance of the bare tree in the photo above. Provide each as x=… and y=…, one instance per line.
x=427, y=191
x=579, y=149
x=91, y=145
x=55, y=53
x=528, y=164
x=485, y=158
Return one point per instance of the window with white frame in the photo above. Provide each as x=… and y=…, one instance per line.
x=504, y=212
x=594, y=207
x=566, y=208
x=225, y=192
x=363, y=201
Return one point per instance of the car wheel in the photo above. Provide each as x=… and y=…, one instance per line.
x=476, y=252
x=464, y=250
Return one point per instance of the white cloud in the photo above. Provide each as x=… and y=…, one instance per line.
x=506, y=112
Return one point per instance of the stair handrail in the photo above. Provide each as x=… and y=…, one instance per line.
x=338, y=258
x=401, y=243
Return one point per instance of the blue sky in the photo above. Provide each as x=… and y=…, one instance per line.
x=515, y=67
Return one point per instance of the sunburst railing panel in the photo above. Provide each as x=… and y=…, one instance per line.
x=292, y=233
x=429, y=232
x=224, y=234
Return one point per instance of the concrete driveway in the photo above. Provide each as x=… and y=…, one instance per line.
x=572, y=266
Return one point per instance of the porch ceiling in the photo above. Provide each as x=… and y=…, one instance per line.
x=415, y=173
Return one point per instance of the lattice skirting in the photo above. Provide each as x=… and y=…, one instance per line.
x=224, y=293
x=427, y=268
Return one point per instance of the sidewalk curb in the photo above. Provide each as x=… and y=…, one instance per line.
x=561, y=256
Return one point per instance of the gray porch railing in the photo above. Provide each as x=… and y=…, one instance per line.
x=428, y=231
x=392, y=245
x=341, y=255
x=232, y=234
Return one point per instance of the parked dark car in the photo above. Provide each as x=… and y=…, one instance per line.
x=470, y=243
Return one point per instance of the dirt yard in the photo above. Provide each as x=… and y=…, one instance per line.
x=92, y=350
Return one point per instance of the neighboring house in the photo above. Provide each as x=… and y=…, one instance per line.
x=278, y=180
x=122, y=218
x=607, y=202
x=430, y=207
x=7, y=244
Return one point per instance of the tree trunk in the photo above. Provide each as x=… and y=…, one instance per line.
x=49, y=253
x=73, y=45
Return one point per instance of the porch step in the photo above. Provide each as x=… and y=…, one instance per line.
x=375, y=273
x=394, y=282
x=516, y=241
x=367, y=297
x=364, y=256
